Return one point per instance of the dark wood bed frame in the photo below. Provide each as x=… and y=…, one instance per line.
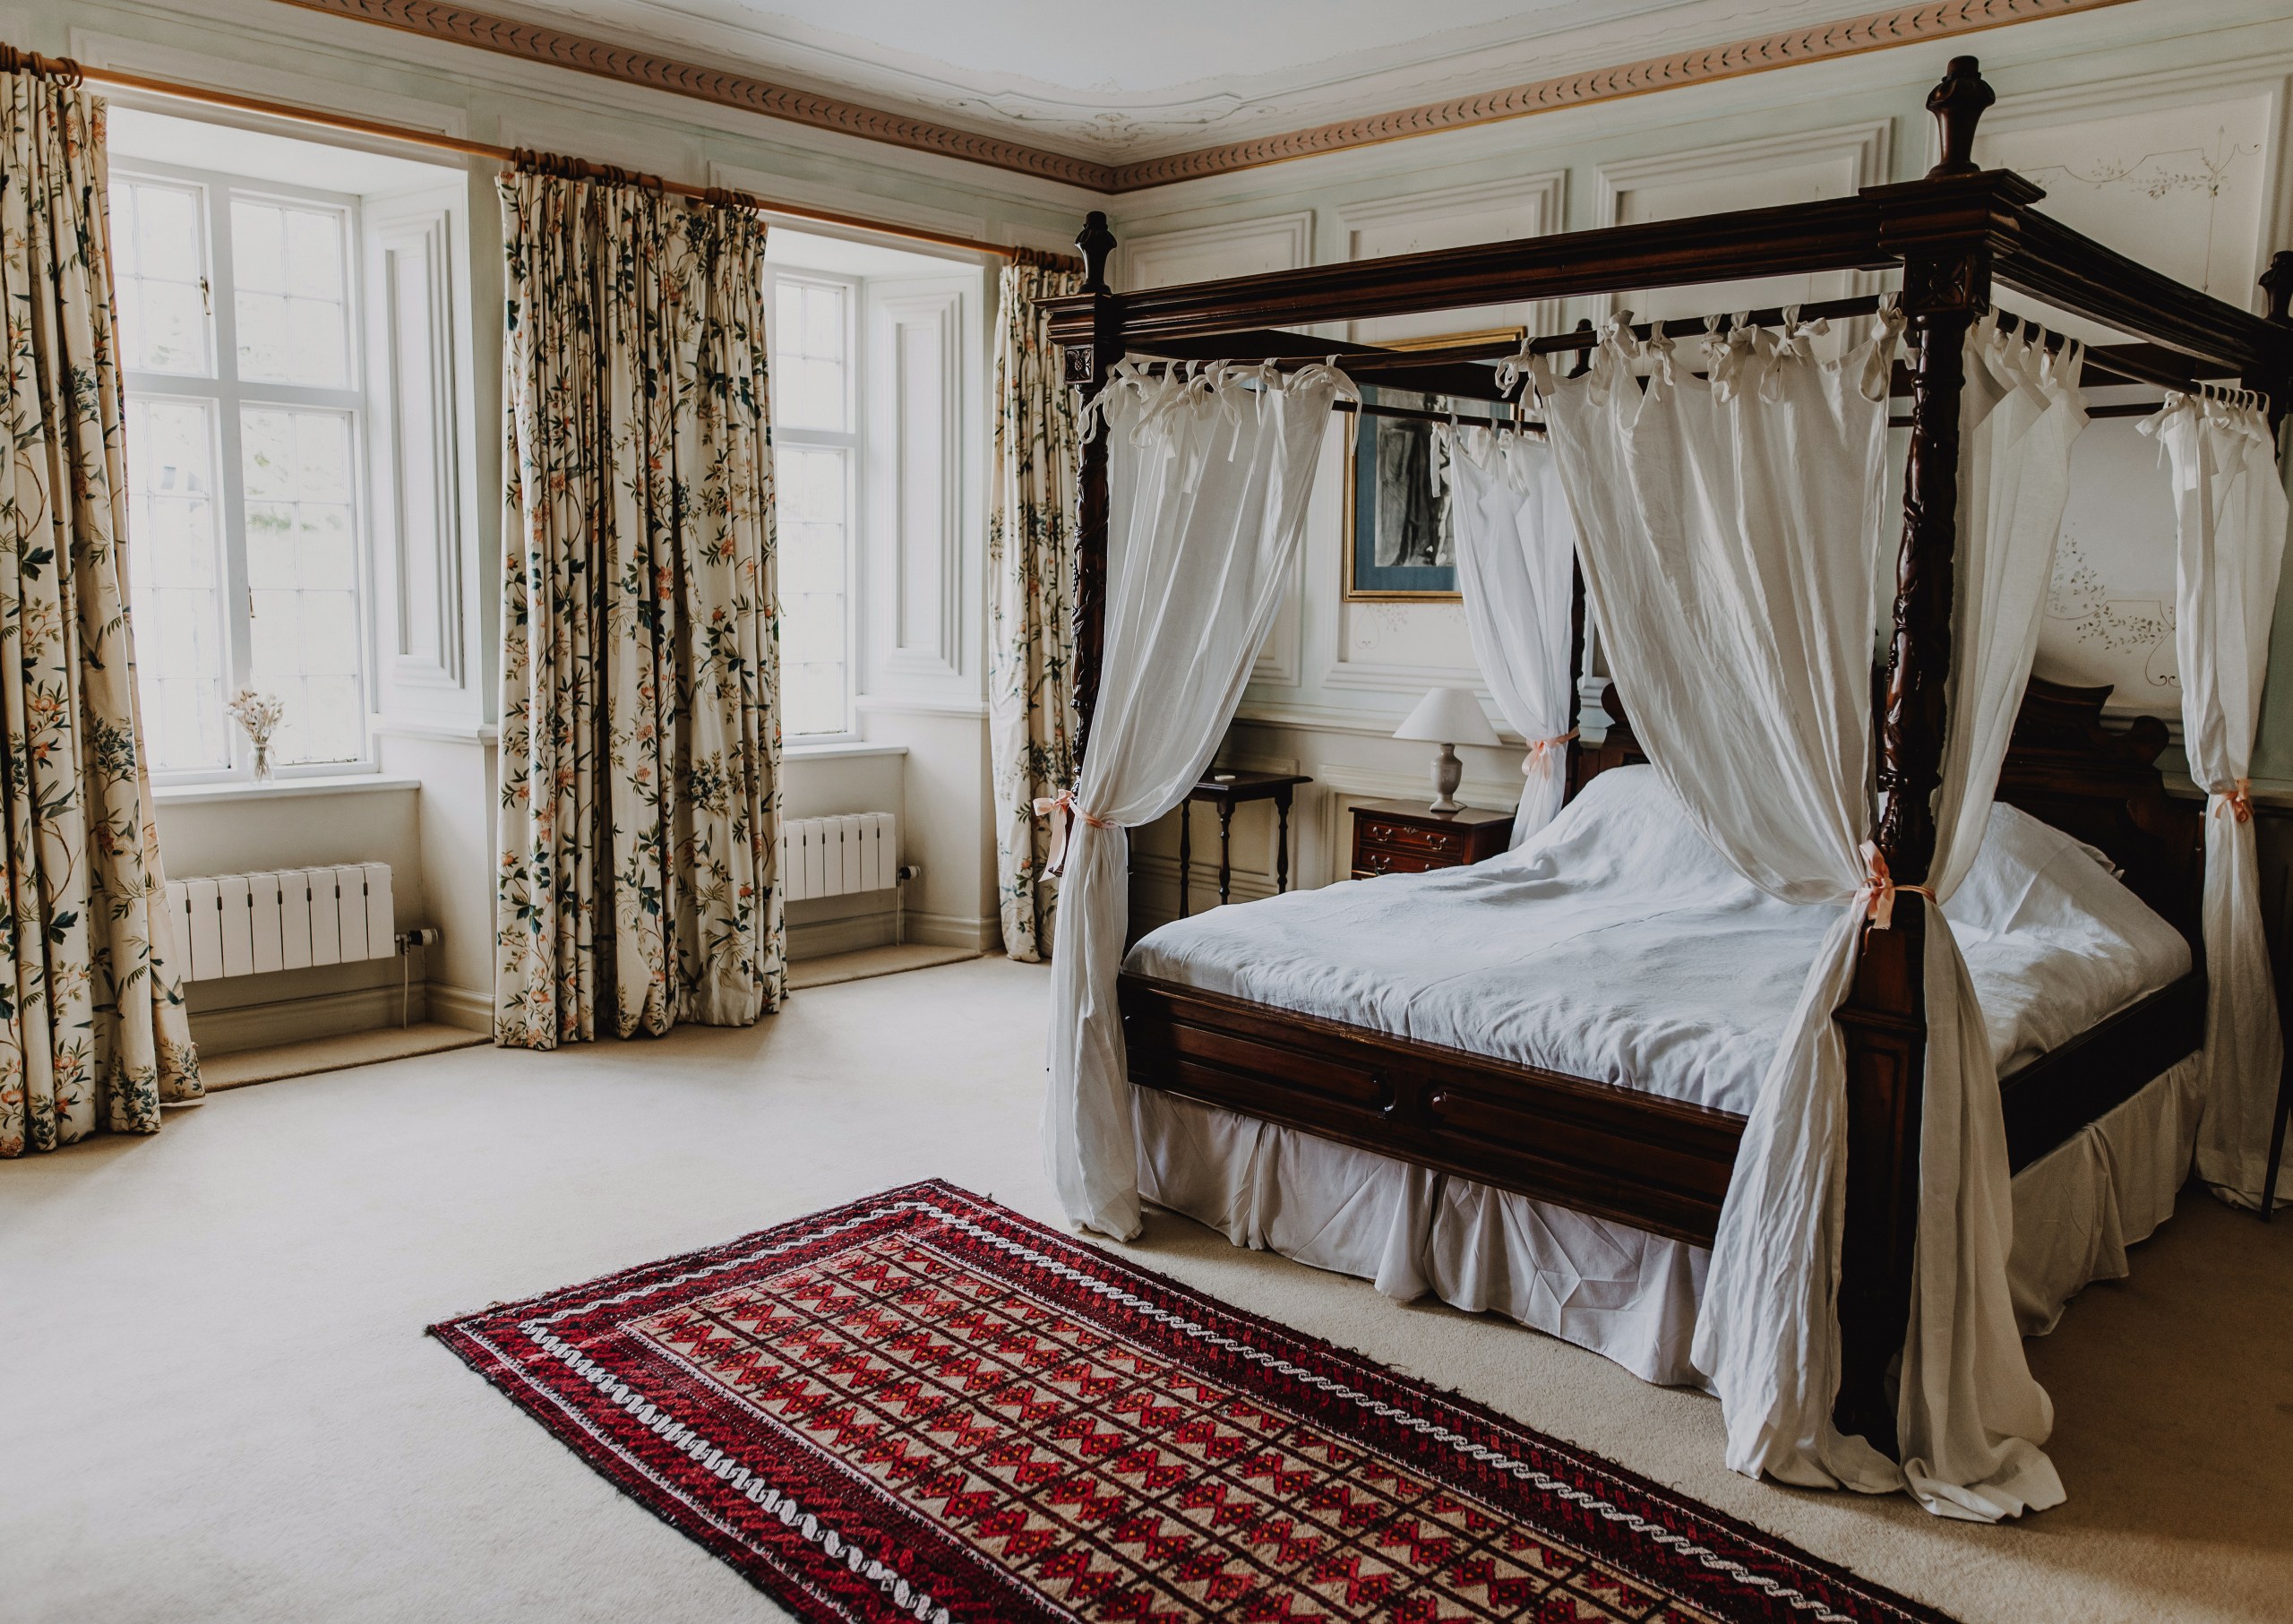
x=1622, y=1154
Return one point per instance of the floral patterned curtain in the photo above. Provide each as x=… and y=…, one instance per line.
x=1031, y=635
x=93, y=1032
x=641, y=730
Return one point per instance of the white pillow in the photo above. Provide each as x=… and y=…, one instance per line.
x=2031, y=876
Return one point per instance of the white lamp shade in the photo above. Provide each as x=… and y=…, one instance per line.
x=1449, y=716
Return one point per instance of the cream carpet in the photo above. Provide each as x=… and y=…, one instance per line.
x=219, y=1406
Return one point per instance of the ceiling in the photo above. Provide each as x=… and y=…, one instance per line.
x=1115, y=80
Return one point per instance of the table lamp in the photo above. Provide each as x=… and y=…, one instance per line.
x=1448, y=716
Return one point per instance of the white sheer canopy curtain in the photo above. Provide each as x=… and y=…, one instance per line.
x=1209, y=470
x=1517, y=547
x=2230, y=512
x=1731, y=531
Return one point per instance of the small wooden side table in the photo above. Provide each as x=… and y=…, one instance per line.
x=1228, y=790
x=1403, y=838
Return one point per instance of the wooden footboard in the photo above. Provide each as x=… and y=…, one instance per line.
x=1618, y=1153
x=1640, y=1158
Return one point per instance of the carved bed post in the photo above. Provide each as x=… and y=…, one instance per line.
x=1884, y=1021
x=1086, y=369
x=2277, y=288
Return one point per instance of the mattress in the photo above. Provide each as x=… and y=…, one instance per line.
x=1616, y=944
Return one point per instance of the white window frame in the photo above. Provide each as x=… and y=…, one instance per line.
x=228, y=394
x=849, y=438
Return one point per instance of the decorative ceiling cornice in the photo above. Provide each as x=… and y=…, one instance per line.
x=1849, y=37
x=534, y=43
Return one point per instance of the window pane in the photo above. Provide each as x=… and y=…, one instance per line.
x=175, y=583
x=292, y=300
x=302, y=577
x=159, y=264
x=824, y=322
x=810, y=375
x=787, y=317
x=813, y=486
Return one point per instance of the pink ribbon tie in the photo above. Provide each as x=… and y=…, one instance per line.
x=1063, y=802
x=1878, y=890
x=2237, y=802
x=1537, y=748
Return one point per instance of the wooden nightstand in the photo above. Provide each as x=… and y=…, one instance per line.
x=1402, y=838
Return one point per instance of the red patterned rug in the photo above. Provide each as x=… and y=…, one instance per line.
x=924, y=1407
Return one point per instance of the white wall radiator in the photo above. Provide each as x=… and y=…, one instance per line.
x=835, y=857
x=285, y=919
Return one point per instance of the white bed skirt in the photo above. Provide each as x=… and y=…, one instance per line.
x=1607, y=1286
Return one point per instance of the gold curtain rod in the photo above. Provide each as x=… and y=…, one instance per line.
x=68, y=71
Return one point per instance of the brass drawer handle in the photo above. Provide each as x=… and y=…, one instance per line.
x=1418, y=839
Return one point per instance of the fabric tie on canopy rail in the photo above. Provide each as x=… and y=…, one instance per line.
x=1729, y=337
x=1070, y=814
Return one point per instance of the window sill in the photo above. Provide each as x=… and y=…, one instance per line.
x=838, y=750
x=279, y=789
x=451, y=733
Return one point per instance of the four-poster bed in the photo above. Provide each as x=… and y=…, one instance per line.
x=1658, y=1163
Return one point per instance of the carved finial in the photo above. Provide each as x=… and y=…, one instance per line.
x=2277, y=282
x=1958, y=102
x=1096, y=241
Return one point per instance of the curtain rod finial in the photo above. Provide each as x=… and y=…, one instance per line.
x=1958, y=102
x=1096, y=241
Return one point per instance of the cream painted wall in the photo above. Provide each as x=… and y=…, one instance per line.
x=1337, y=677
x=454, y=819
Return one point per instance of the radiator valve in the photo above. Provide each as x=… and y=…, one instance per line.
x=427, y=936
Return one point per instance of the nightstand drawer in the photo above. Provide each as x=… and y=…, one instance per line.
x=1401, y=838
x=1370, y=861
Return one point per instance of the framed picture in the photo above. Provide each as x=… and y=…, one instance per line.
x=1400, y=542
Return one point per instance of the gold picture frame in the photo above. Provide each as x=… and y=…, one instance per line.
x=1363, y=578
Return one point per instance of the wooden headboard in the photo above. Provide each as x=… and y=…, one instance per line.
x=2102, y=785
x=2065, y=766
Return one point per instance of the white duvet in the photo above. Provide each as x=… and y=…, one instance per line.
x=1615, y=945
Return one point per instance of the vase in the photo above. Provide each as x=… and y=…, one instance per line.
x=263, y=761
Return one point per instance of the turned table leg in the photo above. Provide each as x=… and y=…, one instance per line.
x=1282, y=841
x=1186, y=850
x=1225, y=850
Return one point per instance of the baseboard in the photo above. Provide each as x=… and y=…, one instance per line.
x=820, y=938
x=293, y=1021
x=460, y=1007
x=955, y=931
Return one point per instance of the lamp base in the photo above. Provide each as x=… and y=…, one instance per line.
x=1448, y=772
